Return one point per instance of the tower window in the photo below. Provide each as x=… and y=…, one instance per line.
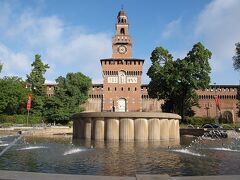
x=122, y=31
x=122, y=88
x=115, y=89
x=135, y=89
x=129, y=89
x=108, y=88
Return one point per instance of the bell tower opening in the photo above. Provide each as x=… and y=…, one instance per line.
x=122, y=31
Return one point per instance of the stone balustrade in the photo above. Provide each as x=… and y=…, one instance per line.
x=126, y=126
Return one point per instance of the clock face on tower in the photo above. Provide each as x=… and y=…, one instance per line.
x=122, y=49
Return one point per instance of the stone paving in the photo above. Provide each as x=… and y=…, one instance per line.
x=17, y=175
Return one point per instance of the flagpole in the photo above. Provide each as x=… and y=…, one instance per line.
x=29, y=106
x=27, y=117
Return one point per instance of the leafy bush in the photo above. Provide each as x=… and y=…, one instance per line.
x=33, y=119
x=199, y=121
x=20, y=119
x=7, y=119
x=223, y=120
x=5, y=125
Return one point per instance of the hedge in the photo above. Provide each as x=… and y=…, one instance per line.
x=199, y=121
x=20, y=119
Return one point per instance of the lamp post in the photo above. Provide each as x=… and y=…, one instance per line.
x=207, y=107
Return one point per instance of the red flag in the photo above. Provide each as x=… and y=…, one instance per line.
x=217, y=102
x=29, y=102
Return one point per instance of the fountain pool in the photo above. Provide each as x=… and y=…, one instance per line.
x=62, y=155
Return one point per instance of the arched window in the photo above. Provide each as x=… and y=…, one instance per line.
x=122, y=31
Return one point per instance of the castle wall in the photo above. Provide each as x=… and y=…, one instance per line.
x=227, y=99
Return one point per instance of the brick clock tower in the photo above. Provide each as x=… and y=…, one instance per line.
x=122, y=73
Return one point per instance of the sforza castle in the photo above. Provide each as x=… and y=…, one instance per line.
x=122, y=90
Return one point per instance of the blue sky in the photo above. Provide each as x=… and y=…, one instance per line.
x=74, y=35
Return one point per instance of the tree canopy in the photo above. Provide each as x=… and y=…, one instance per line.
x=71, y=92
x=176, y=81
x=1, y=65
x=13, y=95
x=236, y=58
x=36, y=80
x=236, y=65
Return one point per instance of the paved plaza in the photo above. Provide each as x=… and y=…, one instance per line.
x=16, y=175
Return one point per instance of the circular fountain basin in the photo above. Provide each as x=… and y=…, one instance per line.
x=126, y=126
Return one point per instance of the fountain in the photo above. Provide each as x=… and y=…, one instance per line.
x=11, y=144
x=216, y=136
x=138, y=154
x=126, y=126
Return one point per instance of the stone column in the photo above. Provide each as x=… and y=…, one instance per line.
x=154, y=129
x=80, y=128
x=112, y=130
x=99, y=129
x=164, y=129
x=172, y=129
x=177, y=129
x=126, y=129
x=88, y=129
x=75, y=128
x=141, y=129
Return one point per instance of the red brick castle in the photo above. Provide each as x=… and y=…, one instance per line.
x=122, y=90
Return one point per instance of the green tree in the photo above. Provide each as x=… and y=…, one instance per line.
x=1, y=65
x=236, y=65
x=13, y=95
x=176, y=81
x=71, y=92
x=36, y=80
x=236, y=58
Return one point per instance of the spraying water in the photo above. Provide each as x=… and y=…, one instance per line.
x=33, y=147
x=11, y=144
x=73, y=151
x=202, y=142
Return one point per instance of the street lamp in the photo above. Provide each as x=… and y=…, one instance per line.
x=207, y=107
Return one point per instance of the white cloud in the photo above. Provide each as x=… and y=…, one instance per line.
x=13, y=63
x=80, y=47
x=219, y=24
x=65, y=48
x=171, y=28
